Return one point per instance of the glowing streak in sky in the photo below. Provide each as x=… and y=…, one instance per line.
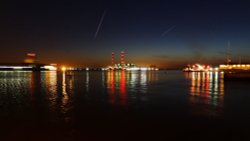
x=100, y=24
x=168, y=30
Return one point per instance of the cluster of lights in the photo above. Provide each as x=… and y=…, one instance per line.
x=235, y=66
x=199, y=67
x=130, y=67
x=141, y=69
x=47, y=67
x=15, y=67
x=50, y=67
x=63, y=68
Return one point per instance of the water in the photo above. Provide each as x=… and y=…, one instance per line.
x=121, y=105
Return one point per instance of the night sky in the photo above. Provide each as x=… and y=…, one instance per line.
x=161, y=32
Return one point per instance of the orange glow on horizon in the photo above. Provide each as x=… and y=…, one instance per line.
x=63, y=68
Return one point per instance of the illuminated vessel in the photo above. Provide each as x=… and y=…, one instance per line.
x=28, y=67
x=199, y=68
x=29, y=64
x=239, y=71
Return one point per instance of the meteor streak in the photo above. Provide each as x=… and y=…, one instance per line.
x=168, y=30
x=100, y=24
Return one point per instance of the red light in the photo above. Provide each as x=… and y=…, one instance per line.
x=31, y=54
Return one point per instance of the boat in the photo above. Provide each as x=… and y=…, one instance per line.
x=236, y=71
x=199, y=68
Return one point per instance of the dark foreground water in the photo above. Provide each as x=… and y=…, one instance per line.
x=120, y=105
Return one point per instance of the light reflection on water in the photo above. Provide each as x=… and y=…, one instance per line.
x=126, y=87
x=59, y=92
x=206, y=93
x=90, y=103
x=116, y=84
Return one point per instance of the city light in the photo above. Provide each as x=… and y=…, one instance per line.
x=63, y=68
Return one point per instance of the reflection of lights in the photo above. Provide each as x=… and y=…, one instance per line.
x=64, y=91
x=123, y=88
x=87, y=81
x=111, y=86
x=103, y=78
x=64, y=84
x=51, y=77
x=120, y=83
x=216, y=83
x=207, y=88
x=143, y=81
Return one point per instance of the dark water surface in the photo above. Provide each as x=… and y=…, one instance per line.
x=120, y=105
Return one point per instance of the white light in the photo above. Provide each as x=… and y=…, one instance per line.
x=18, y=68
x=133, y=69
x=15, y=67
x=143, y=69
x=52, y=68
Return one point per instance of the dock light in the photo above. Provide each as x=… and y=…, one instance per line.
x=63, y=68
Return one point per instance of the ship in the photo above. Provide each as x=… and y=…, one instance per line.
x=199, y=68
x=236, y=71
x=29, y=64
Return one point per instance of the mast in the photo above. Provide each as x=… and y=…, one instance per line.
x=228, y=53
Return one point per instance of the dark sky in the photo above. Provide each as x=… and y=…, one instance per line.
x=167, y=33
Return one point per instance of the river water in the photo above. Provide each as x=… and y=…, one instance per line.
x=122, y=105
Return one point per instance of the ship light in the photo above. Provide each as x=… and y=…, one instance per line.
x=52, y=68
